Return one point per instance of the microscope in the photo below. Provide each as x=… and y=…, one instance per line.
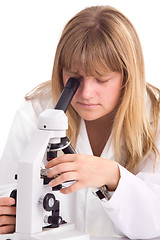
x=37, y=207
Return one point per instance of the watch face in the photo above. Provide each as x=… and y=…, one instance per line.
x=103, y=193
x=100, y=194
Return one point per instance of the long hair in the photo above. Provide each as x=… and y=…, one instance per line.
x=101, y=39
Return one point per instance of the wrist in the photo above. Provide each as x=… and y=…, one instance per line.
x=114, y=177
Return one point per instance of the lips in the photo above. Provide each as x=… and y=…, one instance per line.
x=87, y=105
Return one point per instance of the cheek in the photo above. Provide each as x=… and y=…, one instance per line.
x=112, y=94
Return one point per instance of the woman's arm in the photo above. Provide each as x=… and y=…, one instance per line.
x=134, y=207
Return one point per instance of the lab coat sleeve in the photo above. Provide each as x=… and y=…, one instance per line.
x=23, y=126
x=134, y=208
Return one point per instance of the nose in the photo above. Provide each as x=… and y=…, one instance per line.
x=86, y=88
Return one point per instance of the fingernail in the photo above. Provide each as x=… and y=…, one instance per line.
x=50, y=184
x=11, y=201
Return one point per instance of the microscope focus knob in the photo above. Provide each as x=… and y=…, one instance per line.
x=49, y=201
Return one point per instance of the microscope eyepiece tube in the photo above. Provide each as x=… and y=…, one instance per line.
x=67, y=94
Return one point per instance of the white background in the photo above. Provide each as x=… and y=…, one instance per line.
x=29, y=33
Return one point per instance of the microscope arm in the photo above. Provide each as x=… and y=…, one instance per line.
x=30, y=185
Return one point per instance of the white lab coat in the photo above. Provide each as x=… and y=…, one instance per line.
x=132, y=211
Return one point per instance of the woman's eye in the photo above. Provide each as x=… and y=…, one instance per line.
x=79, y=78
x=102, y=81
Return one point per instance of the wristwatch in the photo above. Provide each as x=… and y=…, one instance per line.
x=103, y=193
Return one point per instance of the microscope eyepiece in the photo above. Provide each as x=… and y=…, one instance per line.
x=67, y=94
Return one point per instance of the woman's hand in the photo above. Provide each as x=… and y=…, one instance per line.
x=7, y=215
x=86, y=170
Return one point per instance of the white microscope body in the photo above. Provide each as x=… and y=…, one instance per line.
x=31, y=191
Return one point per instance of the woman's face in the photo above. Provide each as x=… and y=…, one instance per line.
x=95, y=98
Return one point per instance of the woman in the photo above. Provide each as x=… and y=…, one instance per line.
x=113, y=124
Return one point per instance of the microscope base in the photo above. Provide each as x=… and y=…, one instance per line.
x=64, y=232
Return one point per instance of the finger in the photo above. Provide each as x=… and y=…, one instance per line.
x=61, y=159
x=69, y=176
x=7, y=229
x=62, y=168
x=7, y=201
x=7, y=210
x=72, y=188
x=7, y=220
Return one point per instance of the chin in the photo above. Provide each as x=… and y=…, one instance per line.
x=89, y=118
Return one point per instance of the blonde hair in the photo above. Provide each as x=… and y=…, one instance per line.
x=101, y=39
